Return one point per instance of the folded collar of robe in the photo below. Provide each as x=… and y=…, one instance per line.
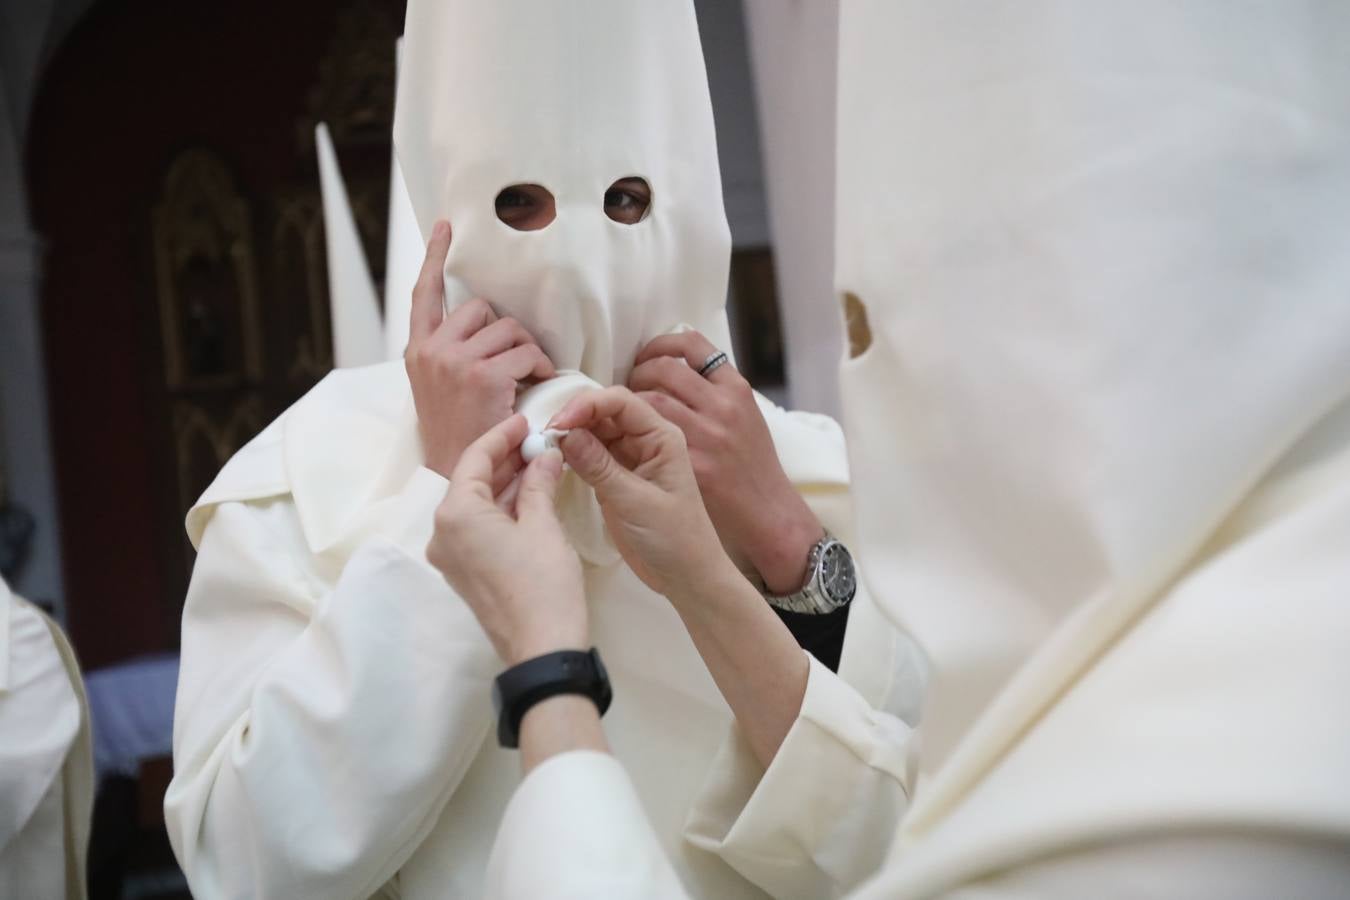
x=353, y=441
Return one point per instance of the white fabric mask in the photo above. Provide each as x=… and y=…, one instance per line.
x=1103, y=252
x=573, y=97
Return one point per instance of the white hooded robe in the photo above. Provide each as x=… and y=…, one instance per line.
x=333, y=730
x=1101, y=442
x=46, y=758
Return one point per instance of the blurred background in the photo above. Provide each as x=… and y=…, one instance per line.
x=164, y=294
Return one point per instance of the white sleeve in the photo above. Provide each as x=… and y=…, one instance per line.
x=317, y=733
x=39, y=721
x=817, y=822
x=574, y=830
x=821, y=818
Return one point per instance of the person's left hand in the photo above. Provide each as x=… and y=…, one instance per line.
x=506, y=555
x=763, y=522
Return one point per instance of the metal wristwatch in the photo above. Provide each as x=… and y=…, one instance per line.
x=831, y=581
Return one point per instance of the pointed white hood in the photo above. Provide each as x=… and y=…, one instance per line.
x=532, y=91
x=403, y=255
x=1103, y=252
x=358, y=333
x=357, y=322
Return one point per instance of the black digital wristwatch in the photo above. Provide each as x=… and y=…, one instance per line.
x=564, y=672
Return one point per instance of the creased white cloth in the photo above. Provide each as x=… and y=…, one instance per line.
x=575, y=851
x=1101, y=443
x=333, y=722
x=46, y=773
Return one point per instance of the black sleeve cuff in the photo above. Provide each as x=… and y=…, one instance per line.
x=820, y=635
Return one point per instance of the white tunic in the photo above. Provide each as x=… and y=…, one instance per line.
x=334, y=734
x=1101, y=449
x=46, y=769
x=1204, y=756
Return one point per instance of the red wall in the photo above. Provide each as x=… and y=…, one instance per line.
x=135, y=83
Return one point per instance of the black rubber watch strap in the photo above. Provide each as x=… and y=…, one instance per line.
x=565, y=672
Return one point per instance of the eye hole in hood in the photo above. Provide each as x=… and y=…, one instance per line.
x=628, y=200
x=526, y=207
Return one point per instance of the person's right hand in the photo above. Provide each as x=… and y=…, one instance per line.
x=638, y=464
x=504, y=551
x=464, y=367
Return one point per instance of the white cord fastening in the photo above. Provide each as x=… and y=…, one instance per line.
x=538, y=442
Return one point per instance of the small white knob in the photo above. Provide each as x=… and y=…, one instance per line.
x=537, y=442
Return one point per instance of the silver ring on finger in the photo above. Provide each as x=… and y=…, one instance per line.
x=715, y=361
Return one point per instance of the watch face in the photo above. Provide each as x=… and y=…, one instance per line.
x=837, y=577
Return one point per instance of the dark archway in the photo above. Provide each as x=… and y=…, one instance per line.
x=171, y=174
